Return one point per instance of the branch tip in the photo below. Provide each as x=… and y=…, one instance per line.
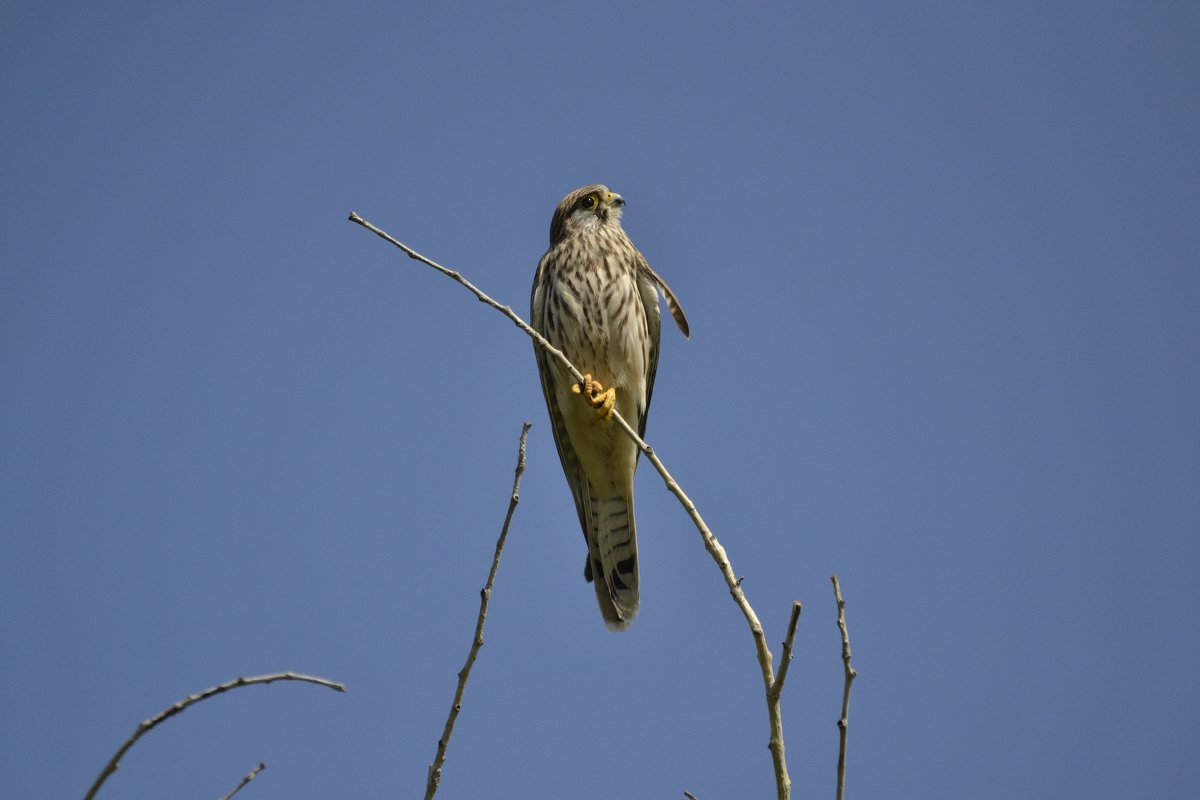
x=145, y=726
x=435, y=769
x=843, y=723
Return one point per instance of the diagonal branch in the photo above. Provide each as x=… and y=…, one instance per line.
x=435, y=769
x=783, y=782
x=507, y=311
x=785, y=658
x=251, y=775
x=184, y=704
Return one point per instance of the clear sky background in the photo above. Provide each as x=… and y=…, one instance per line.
x=940, y=261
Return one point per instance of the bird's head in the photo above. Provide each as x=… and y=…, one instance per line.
x=585, y=209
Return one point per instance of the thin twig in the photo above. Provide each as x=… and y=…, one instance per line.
x=843, y=723
x=783, y=783
x=689, y=795
x=785, y=658
x=435, y=769
x=481, y=297
x=251, y=775
x=162, y=716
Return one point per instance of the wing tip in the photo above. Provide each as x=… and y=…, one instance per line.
x=677, y=314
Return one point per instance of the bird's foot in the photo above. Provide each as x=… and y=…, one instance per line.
x=599, y=398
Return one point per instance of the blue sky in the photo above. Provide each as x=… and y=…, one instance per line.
x=940, y=262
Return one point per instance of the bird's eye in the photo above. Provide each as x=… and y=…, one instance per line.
x=588, y=202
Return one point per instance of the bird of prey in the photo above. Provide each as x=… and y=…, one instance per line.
x=596, y=299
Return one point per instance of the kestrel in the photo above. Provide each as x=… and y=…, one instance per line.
x=596, y=299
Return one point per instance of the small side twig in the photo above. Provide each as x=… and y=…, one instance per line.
x=434, y=778
x=783, y=783
x=182, y=705
x=844, y=722
x=251, y=775
x=785, y=658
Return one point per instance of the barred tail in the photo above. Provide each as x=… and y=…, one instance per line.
x=612, y=564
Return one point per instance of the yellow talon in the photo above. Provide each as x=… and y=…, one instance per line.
x=599, y=398
x=605, y=403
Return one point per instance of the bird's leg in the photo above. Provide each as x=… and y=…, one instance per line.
x=599, y=398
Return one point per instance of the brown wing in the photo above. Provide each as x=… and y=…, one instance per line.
x=672, y=301
x=566, y=453
x=654, y=328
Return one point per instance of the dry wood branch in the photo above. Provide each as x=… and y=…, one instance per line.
x=843, y=723
x=783, y=783
x=434, y=778
x=182, y=705
x=785, y=658
x=251, y=775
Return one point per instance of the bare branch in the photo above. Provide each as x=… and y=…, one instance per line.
x=843, y=723
x=435, y=769
x=483, y=298
x=689, y=796
x=785, y=658
x=783, y=783
x=162, y=716
x=251, y=775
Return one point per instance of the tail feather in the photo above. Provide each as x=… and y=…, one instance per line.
x=612, y=564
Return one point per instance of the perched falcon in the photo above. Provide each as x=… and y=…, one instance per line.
x=596, y=299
